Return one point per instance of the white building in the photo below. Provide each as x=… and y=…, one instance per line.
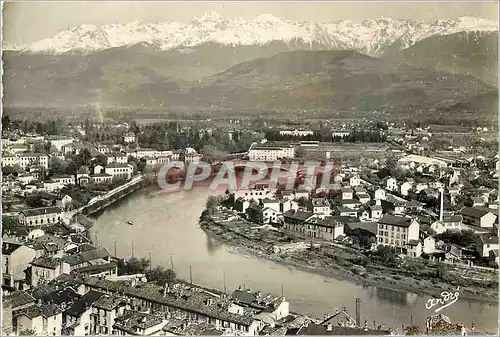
x=405, y=187
x=486, y=243
x=340, y=133
x=119, y=158
x=64, y=179
x=296, y=133
x=398, y=232
x=26, y=178
x=40, y=216
x=391, y=184
x=380, y=194
x=129, y=137
x=270, y=153
x=354, y=181
x=321, y=206
x=347, y=193
x=102, y=178
x=25, y=160
x=119, y=171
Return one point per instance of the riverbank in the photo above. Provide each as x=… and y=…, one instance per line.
x=344, y=263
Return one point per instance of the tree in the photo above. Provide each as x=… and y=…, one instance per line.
x=5, y=122
x=101, y=160
x=27, y=332
x=83, y=170
x=132, y=266
x=391, y=163
x=386, y=255
x=11, y=169
x=211, y=203
x=57, y=166
x=161, y=276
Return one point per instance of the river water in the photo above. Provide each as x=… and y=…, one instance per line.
x=166, y=228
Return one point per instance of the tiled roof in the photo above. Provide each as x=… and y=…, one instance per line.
x=96, y=268
x=109, y=302
x=82, y=304
x=45, y=310
x=46, y=262
x=393, y=220
x=20, y=298
x=474, y=212
x=40, y=211
x=87, y=256
x=297, y=215
x=9, y=247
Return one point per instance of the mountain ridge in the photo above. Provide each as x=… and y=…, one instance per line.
x=371, y=37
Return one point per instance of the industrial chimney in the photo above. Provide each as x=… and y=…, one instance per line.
x=441, y=192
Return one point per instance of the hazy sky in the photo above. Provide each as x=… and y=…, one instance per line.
x=26, y=22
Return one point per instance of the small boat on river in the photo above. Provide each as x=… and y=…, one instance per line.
x=130, y=223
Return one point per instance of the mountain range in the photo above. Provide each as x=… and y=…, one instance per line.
x=371, y=37
x=264, y=64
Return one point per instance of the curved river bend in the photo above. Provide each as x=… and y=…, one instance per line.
x=168, y=224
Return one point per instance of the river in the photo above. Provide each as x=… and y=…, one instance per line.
x=166, y=227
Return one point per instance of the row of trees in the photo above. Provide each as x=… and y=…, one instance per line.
x=159, y=274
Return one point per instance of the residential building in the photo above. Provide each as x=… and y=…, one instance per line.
x=270, y=215
x=241, y=205
x=137, y=323
x=129, y=137
x=398, y=231
x=354, y=181
x=486, y=243
x=405, y=187
x=375, y=212
x=26, y=178
x=294, y=219
x=105, y=311
x=80, y=318
x=347, y=193
x=15, y=259
x=119, y=158
x=50, y=185
x=102, y=178
x=25, y=160
x=59, y=142
x=119, y=171
x=380, y=194
x=40, y=216
x=65, y=179
x=480, y=217
x=391, y=184
x=45, y=269
x=450, y=221
x=44, y=319
x=323, y=228
x=321, y=206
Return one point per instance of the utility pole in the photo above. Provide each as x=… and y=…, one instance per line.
x=224, y=280
x=358, y=314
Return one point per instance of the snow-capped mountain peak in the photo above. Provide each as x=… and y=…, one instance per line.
x=210, y=16
x=371, y=37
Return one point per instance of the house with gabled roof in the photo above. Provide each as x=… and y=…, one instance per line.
x=398, y=231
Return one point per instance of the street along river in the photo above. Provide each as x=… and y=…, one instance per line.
x=165, y=226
